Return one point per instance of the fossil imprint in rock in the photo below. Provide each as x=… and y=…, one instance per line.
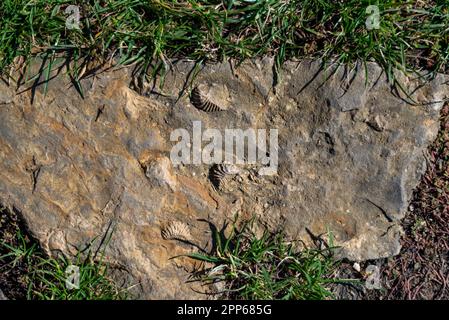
x=210, y=98
x=176, y=230
x=219, y=173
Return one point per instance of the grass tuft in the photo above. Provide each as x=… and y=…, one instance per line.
x=26, y=272
x=412, y=35
x=266, y=267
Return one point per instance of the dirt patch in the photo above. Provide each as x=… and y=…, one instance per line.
x=13, y=271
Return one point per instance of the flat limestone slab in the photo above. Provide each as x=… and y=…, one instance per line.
x=350, y=153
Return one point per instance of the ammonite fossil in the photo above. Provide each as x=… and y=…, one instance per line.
x=176, y=230
x=201, y=102
x=220, y=172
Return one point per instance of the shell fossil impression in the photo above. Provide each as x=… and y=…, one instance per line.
x=140, y=85
x=201, y=102
x=176, y=230
x=219, y=172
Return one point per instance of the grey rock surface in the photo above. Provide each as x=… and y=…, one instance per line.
x=350, y=154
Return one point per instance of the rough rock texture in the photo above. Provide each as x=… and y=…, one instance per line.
x=350, y=154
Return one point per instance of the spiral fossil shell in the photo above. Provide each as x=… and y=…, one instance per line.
x=176, y=230
x=219, y=172
x=201, y=102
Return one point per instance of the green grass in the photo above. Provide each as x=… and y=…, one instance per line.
x=412, y=35
x=266, y=267
x=44, y=278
